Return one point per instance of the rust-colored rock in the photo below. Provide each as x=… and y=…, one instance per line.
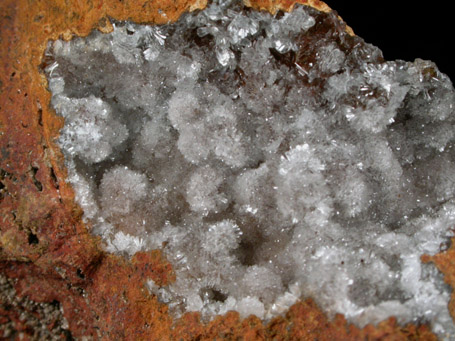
x=44, y=244
x=445, y=262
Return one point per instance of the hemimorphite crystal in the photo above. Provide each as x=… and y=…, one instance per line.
x=270, y=157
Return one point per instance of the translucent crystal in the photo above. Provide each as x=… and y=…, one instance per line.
x=269, y=157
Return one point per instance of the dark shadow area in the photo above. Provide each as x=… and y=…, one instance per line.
x=403, y=31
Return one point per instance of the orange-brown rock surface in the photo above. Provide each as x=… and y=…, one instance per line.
x=44, y=244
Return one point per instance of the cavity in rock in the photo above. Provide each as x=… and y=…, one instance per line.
x=270, y=157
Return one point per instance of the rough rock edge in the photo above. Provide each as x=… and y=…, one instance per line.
x=44, y=244
x=20, y=316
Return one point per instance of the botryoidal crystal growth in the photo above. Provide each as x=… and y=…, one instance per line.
x=270, y=157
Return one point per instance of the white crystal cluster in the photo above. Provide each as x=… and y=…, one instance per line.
x=270, y=157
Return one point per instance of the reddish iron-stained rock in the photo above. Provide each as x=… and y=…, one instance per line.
x=445, y=262
x=45, y=246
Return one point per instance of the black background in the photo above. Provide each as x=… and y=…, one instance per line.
x=403, y=29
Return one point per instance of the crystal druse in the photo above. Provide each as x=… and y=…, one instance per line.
x=271, y=157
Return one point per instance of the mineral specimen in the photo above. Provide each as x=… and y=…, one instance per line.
x=270, y=157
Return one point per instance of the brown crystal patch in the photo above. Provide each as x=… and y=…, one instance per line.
x=44, y=244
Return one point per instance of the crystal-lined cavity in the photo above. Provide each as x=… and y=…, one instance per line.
x=270, y=157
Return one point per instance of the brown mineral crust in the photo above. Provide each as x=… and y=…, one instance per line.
x=304, y=321
x=445, y=262
x=45, y=245
x=274, y=6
